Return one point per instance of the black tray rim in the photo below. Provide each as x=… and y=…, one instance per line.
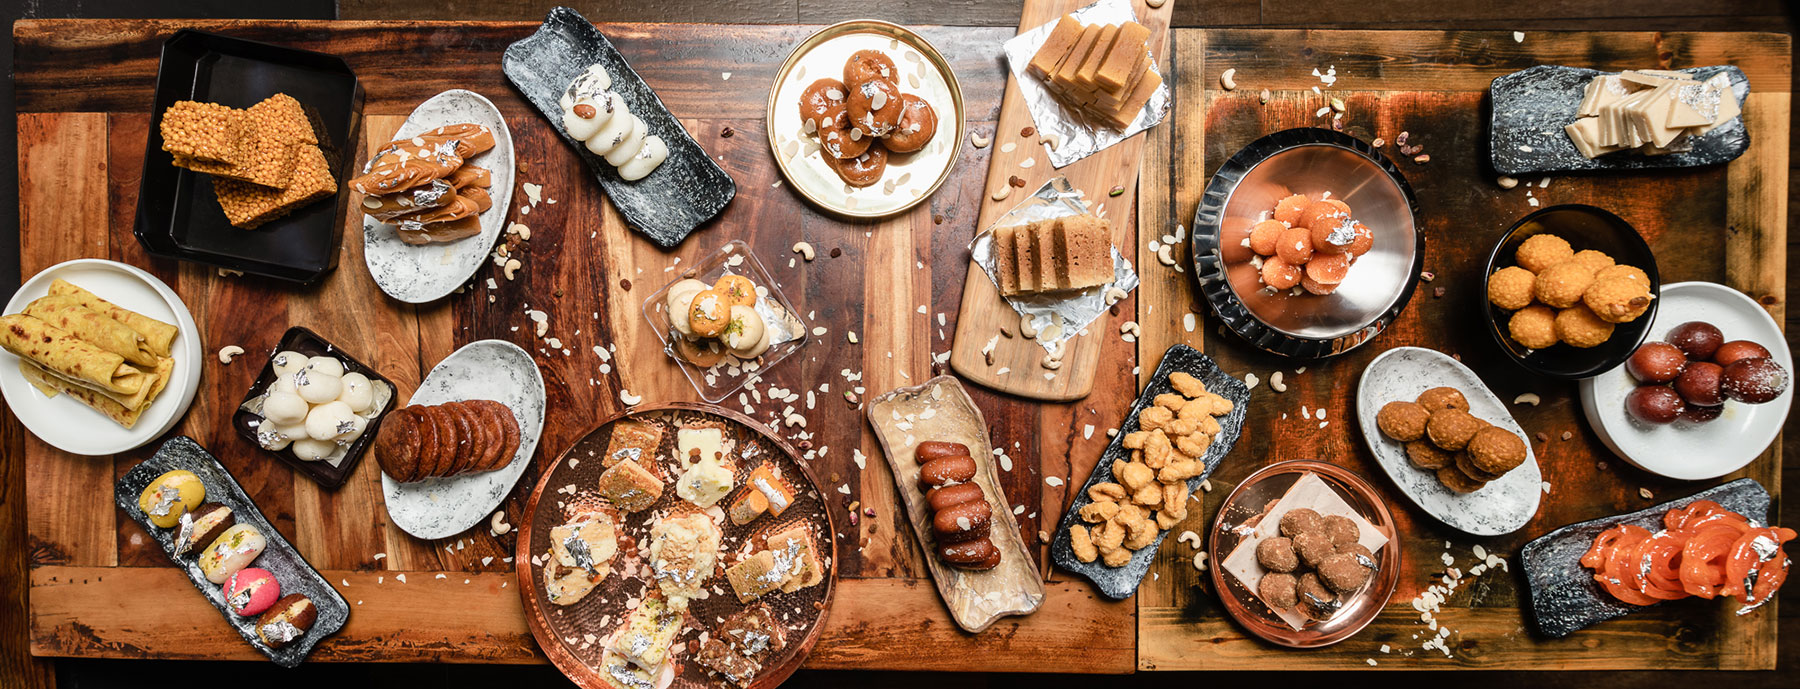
x=1209, y=271
x=323, y=474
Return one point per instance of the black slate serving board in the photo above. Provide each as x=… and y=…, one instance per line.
x=1563, y=596
x=1119, y=583
x=304, y=341
x=1530, y=107
x=280, y=557
x=687, y=190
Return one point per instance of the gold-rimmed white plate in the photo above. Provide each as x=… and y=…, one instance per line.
x=910, y=177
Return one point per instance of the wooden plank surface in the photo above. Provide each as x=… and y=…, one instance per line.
x=1015, y=363
x=589, y=277
x=1722, y=224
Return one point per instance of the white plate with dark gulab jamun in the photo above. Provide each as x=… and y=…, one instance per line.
x=1705, y=394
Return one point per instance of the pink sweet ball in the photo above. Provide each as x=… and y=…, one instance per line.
x=251, y=591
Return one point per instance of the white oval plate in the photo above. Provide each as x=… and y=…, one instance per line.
x=75, y=427
x=1693, y=452
x=490, y=370
x=418, y=274
x=1500, y=507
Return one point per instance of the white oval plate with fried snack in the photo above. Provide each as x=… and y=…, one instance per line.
x=419, y=274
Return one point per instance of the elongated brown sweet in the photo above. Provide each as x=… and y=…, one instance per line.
x=978, y=554
x=951, y=496
x=933, y=449
x=964, y=522
x=947, y=470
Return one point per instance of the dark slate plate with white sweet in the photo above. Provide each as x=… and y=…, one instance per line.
x=1119, y=583
x=1530, y=107
x=1563, y=596
x=279, y=557
x=686, y=191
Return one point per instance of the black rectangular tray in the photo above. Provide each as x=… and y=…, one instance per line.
x=1119, y=583
x=686, y=191
x=1529, y=108
x=1564, y=598
x=307, y=342
x=177, y=214
x=280, y=557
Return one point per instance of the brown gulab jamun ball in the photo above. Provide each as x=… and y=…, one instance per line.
x=918, y=123
x=1264, y=235
x=1697, y=414
x=1699, y=340
x=1656, y=362
x=1538, y=252
x=1754, y=381
x=1701, y=384
x=1737, y=350
x=1510, y=288
x=1654, y=404
x=1579, y=327
x=1294, y=245
x=1443, y=397
x=1561, y=286
x=1280, y=274
x=1288, y=209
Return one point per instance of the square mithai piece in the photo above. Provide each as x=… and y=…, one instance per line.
x=754, y=577
x=776, y=489
x=633, y=440
x=795, y=559
x=754, y=631
x=629, y=486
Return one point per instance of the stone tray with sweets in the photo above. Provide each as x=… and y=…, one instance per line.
x=686, y=191
x=574, y=625
x=1563, y=596
x=329, y=472
x=1530, y=107
x=178, y=213
x=1119, y=583
x=941, y=410
x=280, y=558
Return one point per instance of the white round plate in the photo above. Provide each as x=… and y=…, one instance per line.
x=1694, y=452
x=489, y=370
x=1500, y=507
x=418, y=274
x=71, y=426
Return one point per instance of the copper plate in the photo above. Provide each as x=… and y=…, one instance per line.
x=604, y=609
x=904, y=36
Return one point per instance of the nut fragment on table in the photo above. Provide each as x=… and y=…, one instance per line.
x=1026, y=328
x=1229, y=79
x=979, y=140
x=804, y=249
x=512, y=267
x=1166, y=255
x=229, y=352
x=629, y=399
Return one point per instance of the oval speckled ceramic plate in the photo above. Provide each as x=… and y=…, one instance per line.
x=491, y=370
x=910, y=177
x=418, y=274
x=1502, y=506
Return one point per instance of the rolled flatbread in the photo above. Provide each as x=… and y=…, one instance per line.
x=68, y=356
x=158, y=336
x=52, y=385
x=93, y=327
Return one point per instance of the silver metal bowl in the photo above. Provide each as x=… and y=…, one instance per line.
x=1309, y=161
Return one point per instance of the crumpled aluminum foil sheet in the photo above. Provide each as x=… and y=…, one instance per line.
x=1057, y=316
x=1079, y=137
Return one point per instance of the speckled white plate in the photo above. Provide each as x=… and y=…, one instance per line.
x=74, y=427
x=1685, y=451
x=490, y=370
x=1500, y=507
x=418, y=274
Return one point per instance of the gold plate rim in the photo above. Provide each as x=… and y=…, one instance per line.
x=885, y=28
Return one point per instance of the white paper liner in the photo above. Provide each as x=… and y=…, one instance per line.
x=1309, y=491
x=1072, y=310
x=1079, y=138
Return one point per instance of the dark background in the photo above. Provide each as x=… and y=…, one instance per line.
x=18, y=669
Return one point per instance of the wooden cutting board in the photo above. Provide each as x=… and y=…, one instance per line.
x=1016, y=366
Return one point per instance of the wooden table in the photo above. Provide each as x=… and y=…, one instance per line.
x=83, y=89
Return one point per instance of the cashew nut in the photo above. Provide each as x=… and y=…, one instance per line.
x=1130, y=331
x=1530, y=398
x=851, y=335
x=1026, y=328
x=979, y=140
x=804, y=249
x=1276, y=383
x=229, y=352
x=1153, y=4
x=1051, y=363
x=512, y=266
x=1200, y=560
x=1229, y=79
x=1507, y=182
x=1001, y=193
x=1114, y=295
x=498, y=525
x=1166, y=255
x=629, y=399
x=1187, y=536
x=794, y=420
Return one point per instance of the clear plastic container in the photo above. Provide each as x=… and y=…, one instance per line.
x=720, y=380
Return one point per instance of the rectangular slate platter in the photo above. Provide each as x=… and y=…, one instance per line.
x=1563, y=596
x=280, y=557
x=1119, y=583
x=1530, y=107
x=687, y=190
x=304, y=341
x=178, y=216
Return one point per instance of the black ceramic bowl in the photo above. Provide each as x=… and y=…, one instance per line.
x=304, y=341
x=1585, y=227
x=1312, y=161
